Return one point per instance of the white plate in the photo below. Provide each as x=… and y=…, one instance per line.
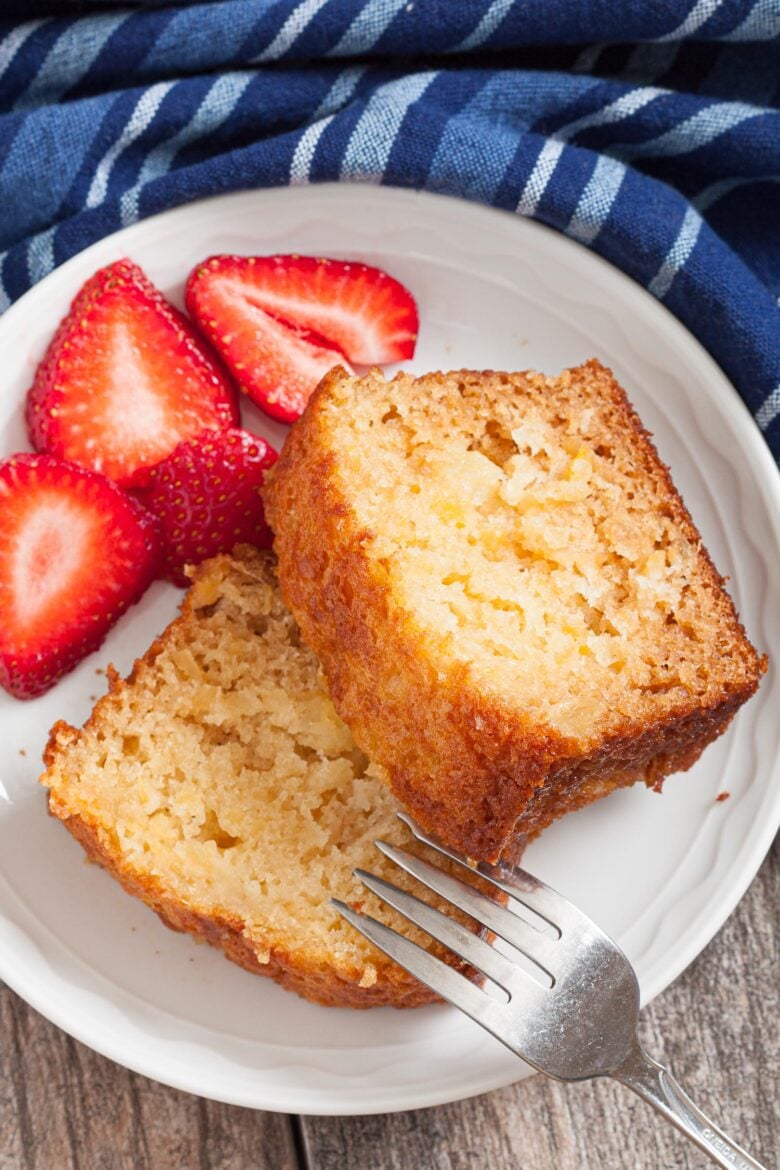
x=659, y=873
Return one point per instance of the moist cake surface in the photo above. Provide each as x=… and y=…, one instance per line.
x=513, y=607
x=220, y=786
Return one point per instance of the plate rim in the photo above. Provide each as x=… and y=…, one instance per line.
x=764, y=472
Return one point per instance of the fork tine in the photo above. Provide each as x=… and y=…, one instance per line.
x=534, y=894
x=528, y=940
x=446, y=982
x=445, y=930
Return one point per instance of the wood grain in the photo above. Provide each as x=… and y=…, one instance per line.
x=62, y=1107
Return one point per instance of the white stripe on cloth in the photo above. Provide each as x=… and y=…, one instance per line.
x=189, y=34
x=623, y=107
x=216, y=107
x=141, y=118
x=10, y=45
x=5, y=300
x=40, y=255
x=338, y=94
x=698, y=16
x=79, y=43
x=495, y=15
x=300, y=167
x=698, y=130
x=368, y=150
x=367, y=27
x=288, y=34
x=596, y=200
x=678, y=254
x=341, y=91
x=769, y=409
x=762, y=24
x=539, y=178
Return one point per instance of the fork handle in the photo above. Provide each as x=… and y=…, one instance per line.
x=656, y=1085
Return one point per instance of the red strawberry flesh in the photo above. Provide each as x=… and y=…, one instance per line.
x=367, y=314
x=125, y=379
x=275, y=319
x=75, y=553
x=206, y=498
x=276, y=364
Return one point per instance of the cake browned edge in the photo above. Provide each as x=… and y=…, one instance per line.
x=505, y=778
x=323, y=983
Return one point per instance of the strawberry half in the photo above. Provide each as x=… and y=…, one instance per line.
x=75, y=552
x=276, y=321
x=125, y=379
x=206, y=498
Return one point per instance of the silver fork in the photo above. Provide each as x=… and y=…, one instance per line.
x=575, y=1018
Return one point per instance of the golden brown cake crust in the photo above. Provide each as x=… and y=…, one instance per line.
x=320, y=983
x=469, y=767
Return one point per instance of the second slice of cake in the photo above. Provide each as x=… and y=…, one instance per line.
x=514, y=609
x=218, y=785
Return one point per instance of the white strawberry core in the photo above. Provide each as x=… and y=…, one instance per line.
x=359, y=329
x=130, y=393
x=50, y=552
x=309, y=358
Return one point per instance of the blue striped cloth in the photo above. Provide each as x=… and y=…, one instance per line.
x=648, y=131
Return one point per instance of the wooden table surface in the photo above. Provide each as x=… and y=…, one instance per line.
x=64, y=1108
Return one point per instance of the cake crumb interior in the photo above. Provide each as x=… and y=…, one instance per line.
x=533, y=542
x=223, y=771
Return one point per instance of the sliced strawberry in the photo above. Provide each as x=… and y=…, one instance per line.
x=75, y=552
x=125, y=379
x=367, y=314
x=357, y=310
x=276, y=364
x=206, y=497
